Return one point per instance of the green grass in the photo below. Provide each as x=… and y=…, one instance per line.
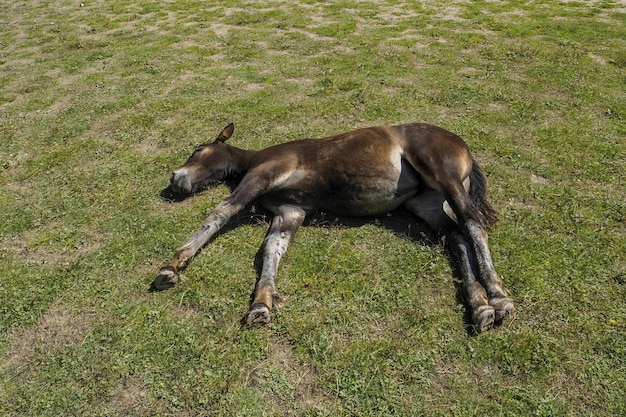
x=98, y=103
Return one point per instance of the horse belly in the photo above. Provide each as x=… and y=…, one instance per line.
x=376, y=192
x=354, y=195
x=365, y=201
x=364, y=207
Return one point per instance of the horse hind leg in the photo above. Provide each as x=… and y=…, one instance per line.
x=492, y=282
x=483, y=313
x=284, y=226
x=432, y=208
x=471, y=222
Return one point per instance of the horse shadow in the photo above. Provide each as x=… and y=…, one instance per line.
x=400, y=222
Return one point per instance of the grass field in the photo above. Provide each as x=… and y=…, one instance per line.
x=101, y=100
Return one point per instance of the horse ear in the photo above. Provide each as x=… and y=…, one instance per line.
x=226, y=133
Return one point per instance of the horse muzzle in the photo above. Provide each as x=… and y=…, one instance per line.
x=180, y=182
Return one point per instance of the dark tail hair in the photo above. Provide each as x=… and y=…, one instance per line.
x=478, y=194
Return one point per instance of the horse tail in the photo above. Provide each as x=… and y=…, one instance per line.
x=478, y=194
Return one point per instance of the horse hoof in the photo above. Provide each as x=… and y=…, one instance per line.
x=503, y=307
x=258, y=315
x=166, y=279
x=484, y=318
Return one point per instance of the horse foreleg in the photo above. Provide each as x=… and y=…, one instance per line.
x=169, y=275
x=284, y=225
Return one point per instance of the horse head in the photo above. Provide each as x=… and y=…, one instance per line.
x=210, y=163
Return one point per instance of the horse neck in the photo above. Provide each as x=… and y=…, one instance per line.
x=239, y=161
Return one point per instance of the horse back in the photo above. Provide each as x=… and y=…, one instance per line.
x=345, y=157
x=373, y=150
x=362, y=172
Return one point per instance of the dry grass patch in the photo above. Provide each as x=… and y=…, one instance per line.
x=59, y=327
x=287, y=383
x=54, y=244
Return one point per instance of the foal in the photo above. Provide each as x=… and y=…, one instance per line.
x=423, y=168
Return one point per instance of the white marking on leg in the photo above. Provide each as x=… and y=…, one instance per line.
x=213, y=224
x=449, y=212
x=489, y=278
x=466, y=184
x=284, y=226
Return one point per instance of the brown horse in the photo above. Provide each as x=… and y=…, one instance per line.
x=423, y=168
